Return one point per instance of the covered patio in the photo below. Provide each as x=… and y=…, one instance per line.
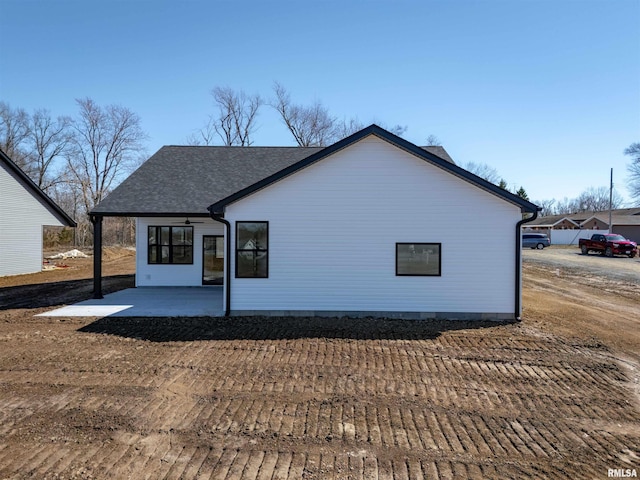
x=149, y=302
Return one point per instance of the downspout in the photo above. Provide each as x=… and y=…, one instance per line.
x=227, y=280
x=519, y=261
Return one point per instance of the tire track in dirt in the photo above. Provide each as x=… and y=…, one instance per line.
x=417, y=415
x=329, y=398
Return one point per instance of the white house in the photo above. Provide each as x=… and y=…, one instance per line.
x=372, y=225
x=24, y=210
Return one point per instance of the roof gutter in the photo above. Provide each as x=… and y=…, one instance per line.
x=227, y=280
x=518, y=293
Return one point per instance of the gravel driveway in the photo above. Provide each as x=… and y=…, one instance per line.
x=569, y=257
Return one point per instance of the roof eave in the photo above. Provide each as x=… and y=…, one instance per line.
x=52, y=206
x=97, y=212
x=525, y=206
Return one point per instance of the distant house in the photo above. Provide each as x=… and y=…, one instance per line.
x=627, y=224
x=624, y=221
x=372, y=225
x=24, y=210
x=556, y=222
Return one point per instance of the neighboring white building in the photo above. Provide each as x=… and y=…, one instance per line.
x=568, y=229
x=24, y=211
x=372, y=225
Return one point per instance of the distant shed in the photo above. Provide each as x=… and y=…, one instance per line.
x=24, y=211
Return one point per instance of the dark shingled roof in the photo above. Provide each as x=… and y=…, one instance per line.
x=439, y=152
x=184, y=181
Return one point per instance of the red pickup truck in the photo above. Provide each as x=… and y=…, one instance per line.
x=608, y=244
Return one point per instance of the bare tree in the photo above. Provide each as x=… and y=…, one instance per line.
x=546, y=206
x=590, y=200
x=69, y=197
x=398, y=130
x=344, y=128
x=433, y=141
x=107, y=142
x=205, y=136
x=485, y=171
x=564, y=206
x=234, y=122
x=597, y=200
x=66, y=194
x=48, y=140
x=310, y=126
x=633, y=168
x=14, y=132
x=313, y=125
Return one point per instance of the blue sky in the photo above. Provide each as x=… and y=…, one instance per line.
x=546, y=92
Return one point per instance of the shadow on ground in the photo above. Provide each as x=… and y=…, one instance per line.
x=183, y=329
x=40, y=295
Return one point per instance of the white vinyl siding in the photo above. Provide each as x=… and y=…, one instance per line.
x=333, y=229
x=22, y=216
x=163, y=275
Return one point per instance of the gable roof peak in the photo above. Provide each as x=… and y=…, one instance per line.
x=36, y=191
x=393, y=139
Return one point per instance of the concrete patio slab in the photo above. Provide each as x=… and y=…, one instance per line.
x=149, y=302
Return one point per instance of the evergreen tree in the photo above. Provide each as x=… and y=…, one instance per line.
x=522, y=193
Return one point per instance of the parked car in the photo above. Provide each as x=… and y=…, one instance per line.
x=608, y=244
x=535, y=240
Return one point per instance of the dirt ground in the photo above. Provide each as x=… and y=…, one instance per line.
x=581, y=296
x=554, y=396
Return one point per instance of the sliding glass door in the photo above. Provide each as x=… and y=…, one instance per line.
x=212, y=259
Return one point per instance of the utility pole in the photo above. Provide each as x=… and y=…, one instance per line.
x=610, y=200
